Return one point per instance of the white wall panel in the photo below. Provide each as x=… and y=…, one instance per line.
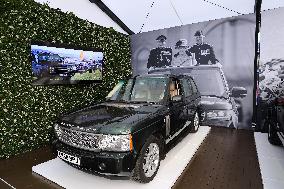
x=162, y=15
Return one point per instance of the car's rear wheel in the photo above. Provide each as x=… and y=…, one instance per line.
x=195, y=123
x=148, y=162
x=273, y=138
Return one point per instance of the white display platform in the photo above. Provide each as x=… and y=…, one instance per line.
x=171, y=168
x=271, y=162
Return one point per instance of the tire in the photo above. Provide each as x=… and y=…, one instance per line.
x=150, y=154
x=195, y=123
x=231, y=126
x=273, y=138
x=264, y=126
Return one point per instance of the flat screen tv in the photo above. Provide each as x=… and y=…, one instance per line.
x=58, y=64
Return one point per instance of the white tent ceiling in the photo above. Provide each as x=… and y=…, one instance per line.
x=170, y=13
x=163, y=14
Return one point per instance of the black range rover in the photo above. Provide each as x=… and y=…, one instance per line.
x=275, y=118
x=128, y=133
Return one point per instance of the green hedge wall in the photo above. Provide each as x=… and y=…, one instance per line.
x=27, y=112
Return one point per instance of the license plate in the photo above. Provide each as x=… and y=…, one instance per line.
x=69, y=158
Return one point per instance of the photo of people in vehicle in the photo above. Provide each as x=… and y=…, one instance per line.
x=221, y=63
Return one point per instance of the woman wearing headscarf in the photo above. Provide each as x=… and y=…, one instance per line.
x=182, y=57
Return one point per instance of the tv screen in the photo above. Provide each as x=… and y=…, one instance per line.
x=60, y=64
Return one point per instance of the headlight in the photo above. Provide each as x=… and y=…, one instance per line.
x=214, y=114
x=58, y=130
x=116, y=143
x=51, y=69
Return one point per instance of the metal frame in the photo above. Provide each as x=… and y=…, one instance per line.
x=105, y=9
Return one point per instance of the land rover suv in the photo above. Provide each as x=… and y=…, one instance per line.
x=275, y=112
x=218, y=102
x=128, y=133
x=276, y=122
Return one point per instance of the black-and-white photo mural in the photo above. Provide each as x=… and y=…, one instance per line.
x=218, y=54
x=271, y=63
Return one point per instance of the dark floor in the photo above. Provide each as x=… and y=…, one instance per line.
x=17, y=171
x=227, y=159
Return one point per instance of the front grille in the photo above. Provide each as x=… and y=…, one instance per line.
x=78, y=139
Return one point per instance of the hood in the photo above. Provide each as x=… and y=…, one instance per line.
x=215, y=103
x=109, y=118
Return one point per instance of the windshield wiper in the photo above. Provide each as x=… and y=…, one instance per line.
x=121, y=101
x=142, y=102
x=138, y=102
x=215, y=96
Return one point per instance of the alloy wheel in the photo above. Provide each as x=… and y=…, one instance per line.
x=151, y=160
x=196, y=122
x=269, y=130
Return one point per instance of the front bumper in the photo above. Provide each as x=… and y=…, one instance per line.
x=61, y=70
x=113, y=163
x=217, y=122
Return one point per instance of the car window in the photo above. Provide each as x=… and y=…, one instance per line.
x=209, y=82
x=113, y=94
x=187, y=89
x=121, y=92
x=174, y=88
x=148, y=89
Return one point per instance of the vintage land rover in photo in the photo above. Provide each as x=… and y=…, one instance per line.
x=128, y=133
x=220, y=105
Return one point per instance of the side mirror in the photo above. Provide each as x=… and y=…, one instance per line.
x=177, y=98
x=280, y=101
x=238, y=92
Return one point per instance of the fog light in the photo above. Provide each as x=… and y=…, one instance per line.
x=102, y=166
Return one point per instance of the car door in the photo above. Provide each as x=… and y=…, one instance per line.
x=176, y=108
x=196, y=96
x=190, y=95
x=280, y=116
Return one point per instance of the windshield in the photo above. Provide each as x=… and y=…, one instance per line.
x=209, y=82
x=147, y=89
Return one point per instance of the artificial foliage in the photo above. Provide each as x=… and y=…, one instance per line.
x=27, y=112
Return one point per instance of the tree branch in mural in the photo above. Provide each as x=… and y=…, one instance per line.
x=271, y=80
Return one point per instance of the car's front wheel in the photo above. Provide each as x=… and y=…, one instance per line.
x=195, y=123
x=148, y=162
x=273, y=138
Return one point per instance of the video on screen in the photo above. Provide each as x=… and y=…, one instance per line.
x=54, y=65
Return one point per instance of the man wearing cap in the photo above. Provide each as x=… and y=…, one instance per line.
x=181, y=58
x=202, y=52
x=160, y=56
